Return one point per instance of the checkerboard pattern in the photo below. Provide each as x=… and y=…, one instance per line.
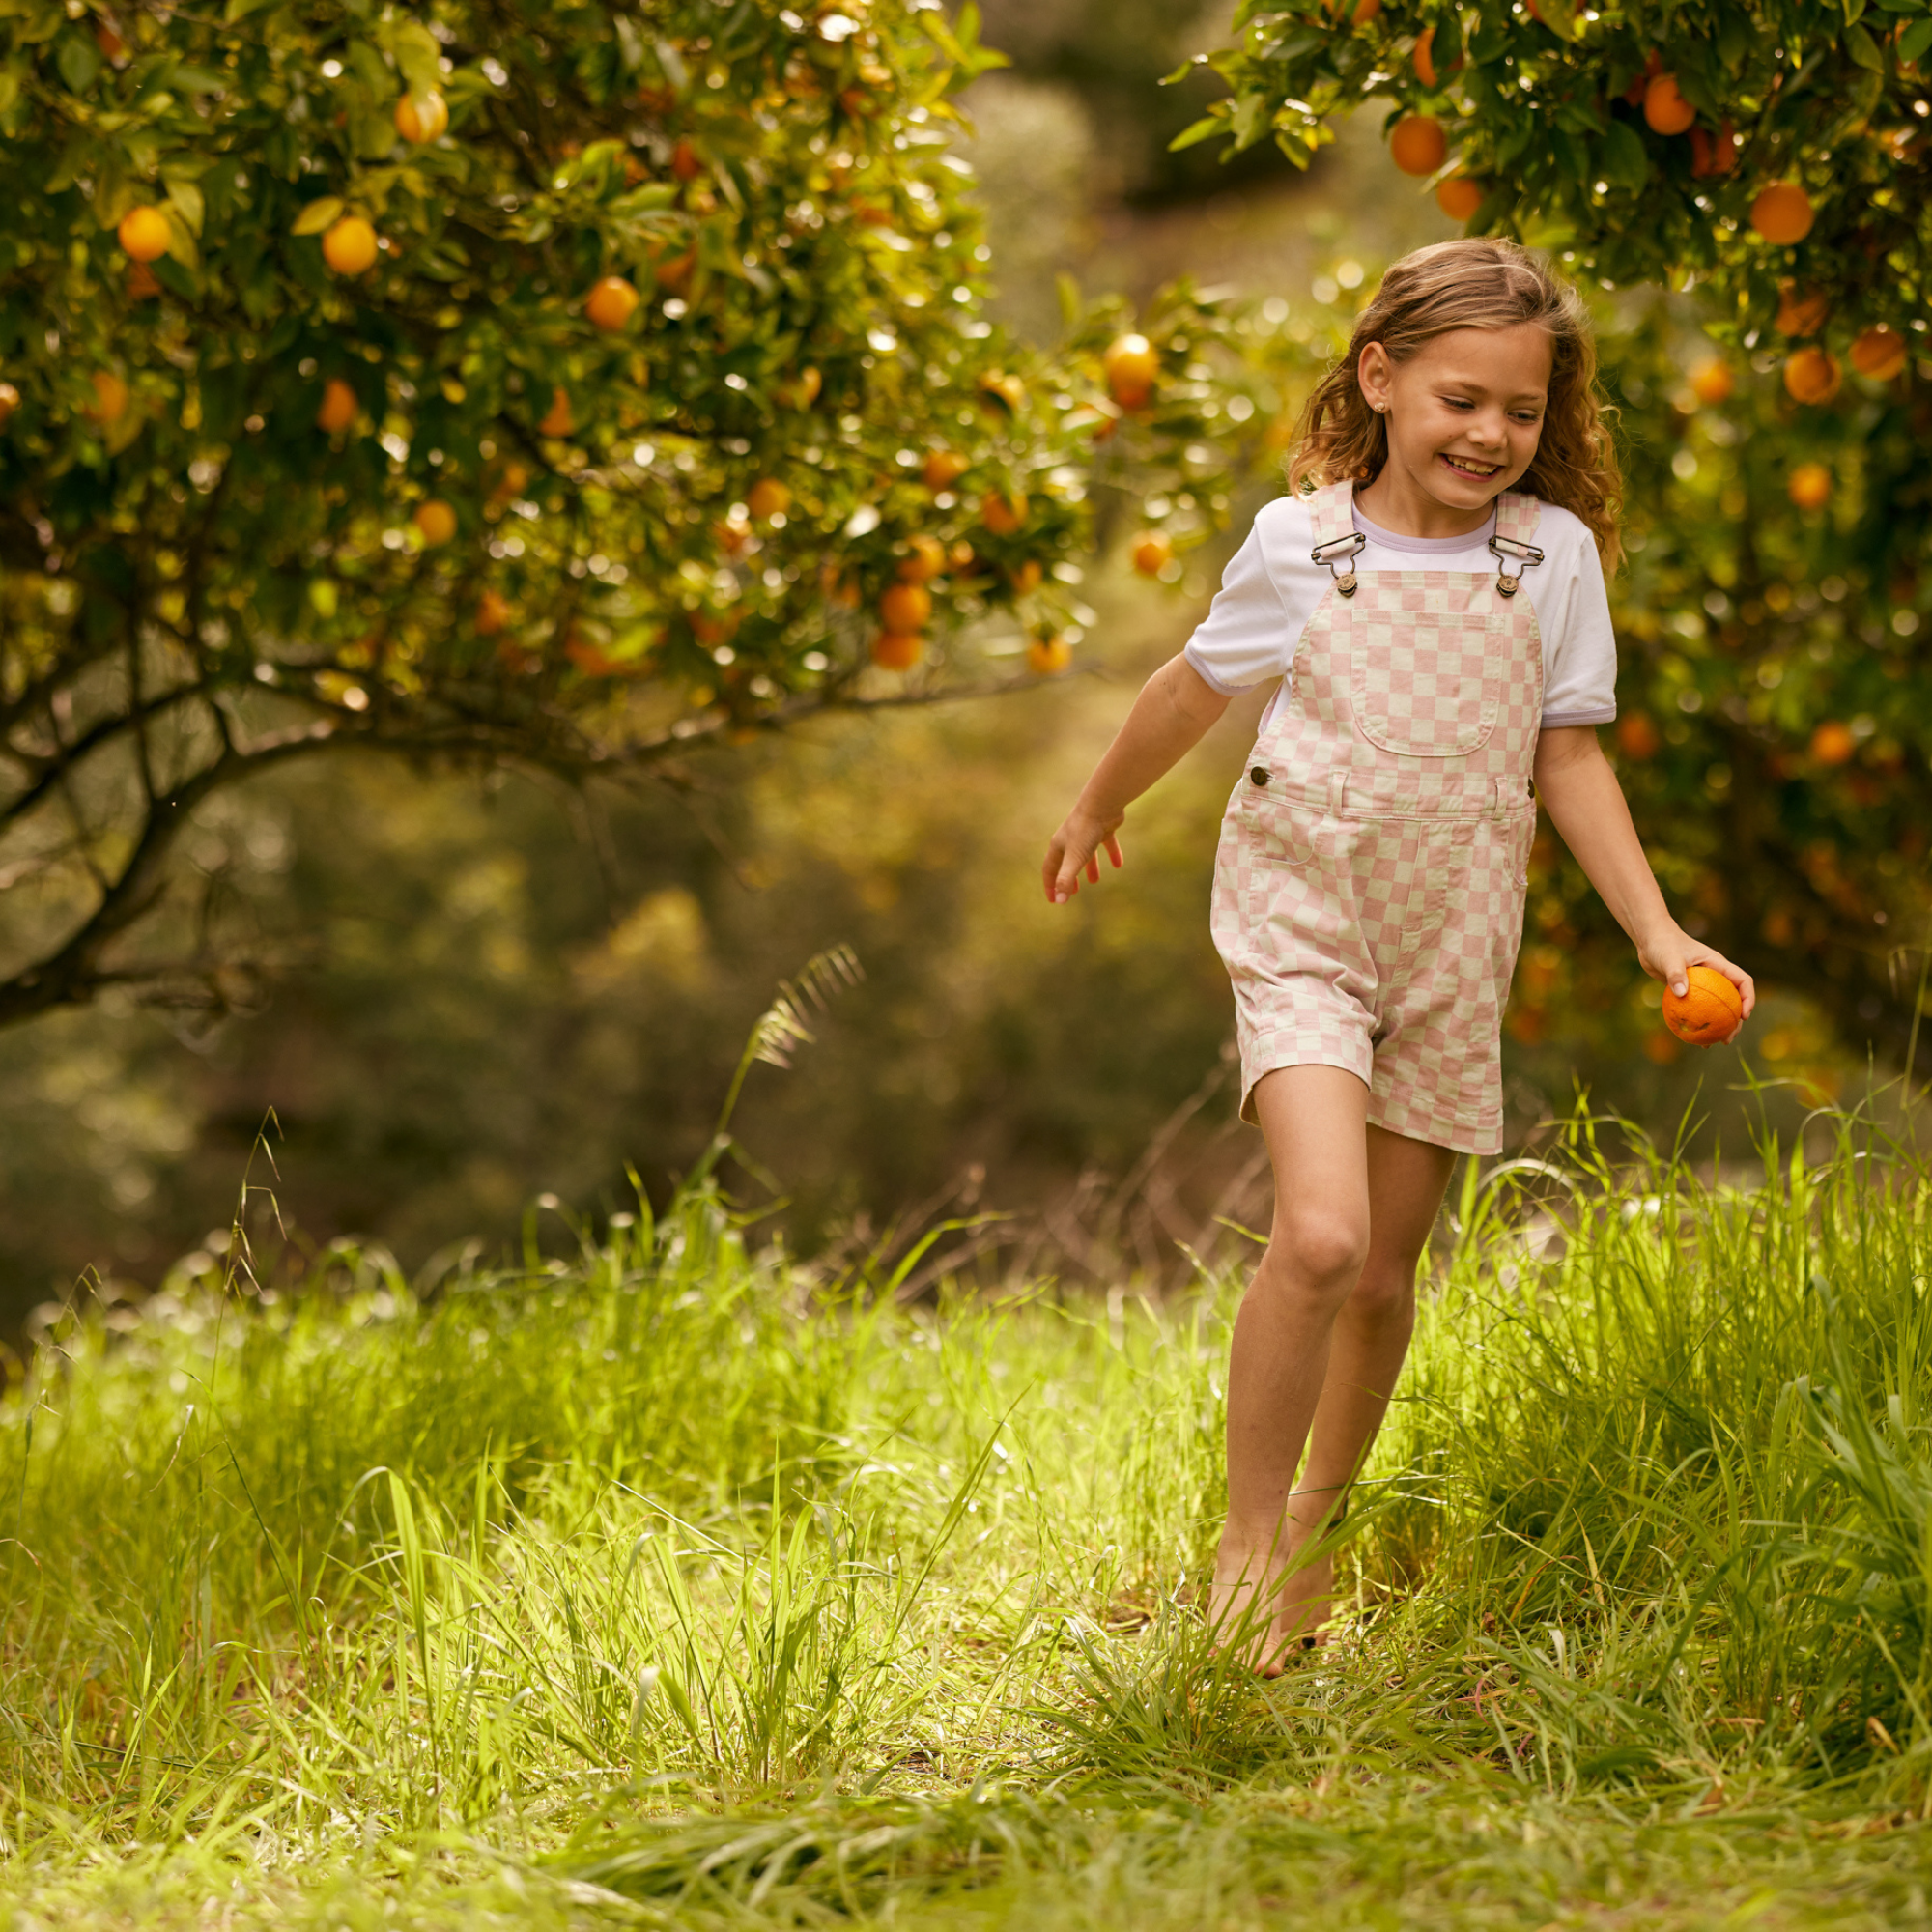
x=1369, y=894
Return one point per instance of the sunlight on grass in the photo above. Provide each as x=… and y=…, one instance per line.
x=669, y=1584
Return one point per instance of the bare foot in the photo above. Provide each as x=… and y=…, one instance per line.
x=1306, y=1603
x=1243, y=1607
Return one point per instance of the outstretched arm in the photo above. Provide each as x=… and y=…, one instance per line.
x=1586, y=804
x=1169, y=717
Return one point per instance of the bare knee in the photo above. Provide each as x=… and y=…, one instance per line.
x=1384, y=1297
x=1318, y=1249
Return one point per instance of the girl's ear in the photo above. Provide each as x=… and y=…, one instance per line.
x=1375, y=377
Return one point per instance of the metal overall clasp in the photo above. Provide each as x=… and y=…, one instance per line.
x=1523, y=555
x=1342, y=550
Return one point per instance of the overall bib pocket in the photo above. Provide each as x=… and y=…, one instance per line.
x=1433, y=690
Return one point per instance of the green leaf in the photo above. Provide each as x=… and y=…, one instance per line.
x=1863, y=50
x=1204, y=130
x=1559, y=17
x=1622, y=158
x=78, y=61
x=185, y=200
x=418, y=57
x=240, y=10
x=317, y=215
x=181, y=237
x=1916, y=40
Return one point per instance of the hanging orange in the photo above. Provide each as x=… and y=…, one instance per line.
x=1459, y=197
x=1664, y=107
x=1709, y=1012
x=1812, y=375
x=1879, y=352
x=1418, y=146
x=898, y=650
x=1782, y=214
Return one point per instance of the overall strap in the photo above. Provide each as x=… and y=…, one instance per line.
x=1516, y=524
x=1333, y=511
x=1516, y=516
x=1337, y=541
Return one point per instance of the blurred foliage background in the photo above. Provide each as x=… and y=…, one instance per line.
x=489, y=991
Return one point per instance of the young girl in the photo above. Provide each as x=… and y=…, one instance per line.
x=1431, y=595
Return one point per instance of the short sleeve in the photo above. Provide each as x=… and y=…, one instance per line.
x=1244, y=640
x=1579, y=642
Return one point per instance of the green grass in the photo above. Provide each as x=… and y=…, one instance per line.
x=672, y=1586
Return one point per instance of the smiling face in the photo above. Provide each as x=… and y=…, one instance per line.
x=1464, y=414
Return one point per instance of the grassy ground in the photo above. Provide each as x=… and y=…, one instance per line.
x=667, y=1585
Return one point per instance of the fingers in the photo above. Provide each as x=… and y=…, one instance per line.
x=1114, y=851
x=1092, y=868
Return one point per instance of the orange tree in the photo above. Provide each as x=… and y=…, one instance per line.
x=558, y=383
x=1768, y=160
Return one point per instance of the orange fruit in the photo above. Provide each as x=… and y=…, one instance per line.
x=1002, y=515
x=1026, y=578
x=1782, y=214
x=898, y=650
x=1418, y=145
x=143, y=233
x=943, y=469
x=1132, y=365
x=905, y=608
x=110, y=397
x=1810, y=486
x=1661, y=1046
x=767, y=498
x=611, y=302
x=802, y=392
x=421, y=116
x=1800, y=311
x=142, y=283
x=1709, y=1011
x=1833, y=742
x=1711, y=383
x=672, y=275
x=436, y=520
x=348, y=246
x=1637, y=736
x=1879, y=352
x=732, y=534
x=685, y=163
x=1459, y=197
x=1812, y=375
x=1664, y=107
x=493, y=612
x=924, y=558
x=1046, y=657
x=1365, y=11
x=338, y=406
x=10, y=401
x=997, y=386
x=718, y=630
x=1152, y=555
x=559, y=421
x=1713, y=153
x=1425, y=57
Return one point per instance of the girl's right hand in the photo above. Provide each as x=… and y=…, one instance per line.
x=1076, y=848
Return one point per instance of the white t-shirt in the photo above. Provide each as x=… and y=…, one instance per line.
x=1271, y=587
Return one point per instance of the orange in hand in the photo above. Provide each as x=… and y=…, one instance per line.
x=1709, y=1012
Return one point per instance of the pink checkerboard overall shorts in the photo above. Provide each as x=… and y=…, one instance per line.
x=1368, y=886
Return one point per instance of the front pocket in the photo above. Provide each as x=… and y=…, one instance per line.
x=1429, y=687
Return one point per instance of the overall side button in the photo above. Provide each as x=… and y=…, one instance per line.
x=1258, y=776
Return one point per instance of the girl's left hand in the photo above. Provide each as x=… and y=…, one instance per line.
x=1670, y=953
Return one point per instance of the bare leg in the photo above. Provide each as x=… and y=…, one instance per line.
x=1316, y=1122
x=1366, y=1349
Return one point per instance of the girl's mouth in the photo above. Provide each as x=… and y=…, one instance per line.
x=1469, y=466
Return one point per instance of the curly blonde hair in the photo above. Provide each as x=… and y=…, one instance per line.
x=1478, y=282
